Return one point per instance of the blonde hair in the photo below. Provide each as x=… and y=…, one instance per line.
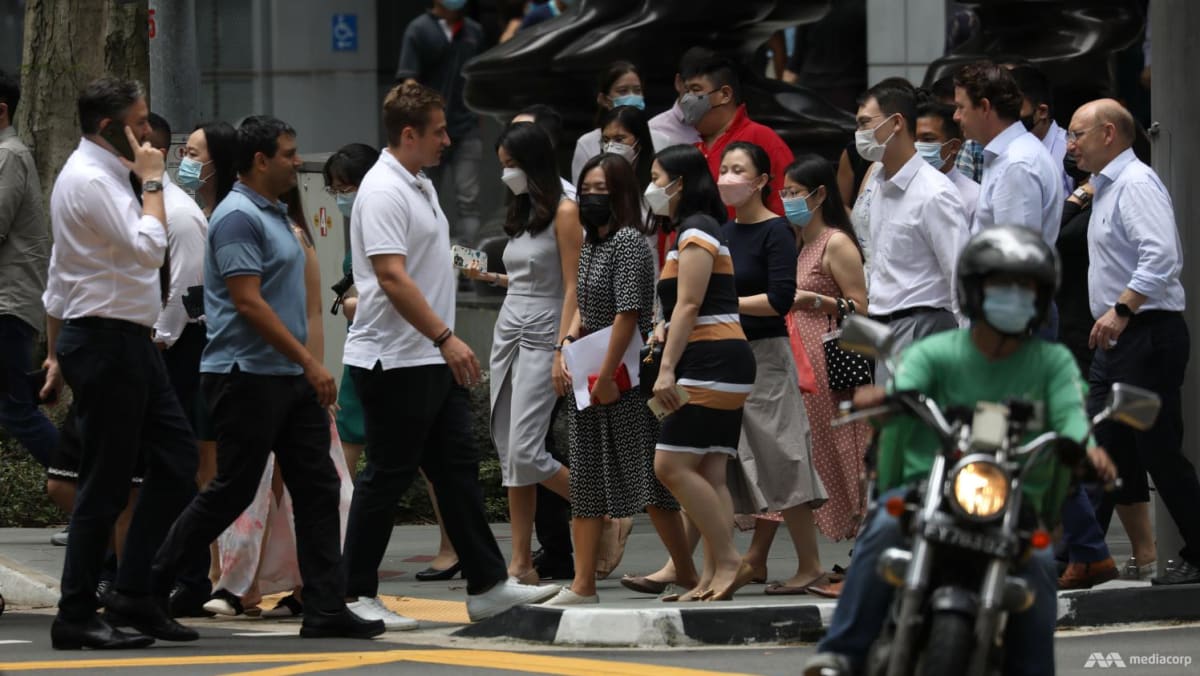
x=408, y=104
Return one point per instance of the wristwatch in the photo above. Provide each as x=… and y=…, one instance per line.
x=1123, y=310
x=1081, y=194
x=152, y=186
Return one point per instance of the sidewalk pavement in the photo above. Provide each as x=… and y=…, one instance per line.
x=30, y=568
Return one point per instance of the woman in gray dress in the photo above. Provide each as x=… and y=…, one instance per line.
x=541, y=258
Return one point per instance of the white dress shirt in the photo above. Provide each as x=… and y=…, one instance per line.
x=1056, y=142
x=1021, y=185
x=187, y=237
x=106, y=254
x=1132, y=239
x=967, y=189
x=918, y=228
x=588, y=146
x=396, y=212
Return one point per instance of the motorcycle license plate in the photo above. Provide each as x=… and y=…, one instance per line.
x=957, y=537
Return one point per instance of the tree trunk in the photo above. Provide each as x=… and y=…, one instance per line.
x=68, y=43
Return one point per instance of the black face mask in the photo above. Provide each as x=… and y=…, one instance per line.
x=1073, y=169
x=1029, y=122
x=595, y=212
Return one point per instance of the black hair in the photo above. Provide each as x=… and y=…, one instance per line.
x=222, y=141
x=546, y=117
x=106, y=97
x=10, y=93
x=634, y=121
x=943, y=88
x=1034, y=85
x=897, y=98
x=759, y=158
x=813, y=171
x=349, y=164
x=161, y=131
x=700, y=194
x=693, y=60
x=529, y=146
x=944, y=112
x=258, y=134
x=623, y=192
x=723, y=72
x=295, y=211
x=616, y=70
x=986, y=80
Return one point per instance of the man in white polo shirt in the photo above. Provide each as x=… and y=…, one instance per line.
x=410, y=370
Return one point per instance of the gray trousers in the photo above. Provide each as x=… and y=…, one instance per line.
x=912, y=328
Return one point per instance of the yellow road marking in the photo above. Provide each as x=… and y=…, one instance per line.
x=300, y=663
x=427, y=610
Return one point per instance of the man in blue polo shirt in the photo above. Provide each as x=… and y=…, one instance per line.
x=265, y=390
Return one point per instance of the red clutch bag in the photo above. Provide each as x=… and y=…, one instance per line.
x=620, y=377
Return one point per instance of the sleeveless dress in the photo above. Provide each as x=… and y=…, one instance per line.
x=837, y=453
x=522, y=392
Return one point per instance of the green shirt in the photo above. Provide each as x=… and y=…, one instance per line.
x=949, y=368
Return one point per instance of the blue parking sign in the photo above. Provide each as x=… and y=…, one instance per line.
x=345, y=32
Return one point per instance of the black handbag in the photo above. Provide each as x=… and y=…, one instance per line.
x=651, y=361
x=845, y=370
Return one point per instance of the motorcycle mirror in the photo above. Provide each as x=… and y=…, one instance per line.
x=866, y=337
x=1133, y=406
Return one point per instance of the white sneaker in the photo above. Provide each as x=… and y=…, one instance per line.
x=566, y=597
x=505, y=595
x=391, y=621
x=220, y=607
x=365, y=609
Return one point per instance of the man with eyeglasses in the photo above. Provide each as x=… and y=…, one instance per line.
x=1140, y=335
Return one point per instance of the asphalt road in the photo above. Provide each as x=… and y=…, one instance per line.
x=270, y=650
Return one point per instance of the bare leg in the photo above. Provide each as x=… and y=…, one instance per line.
x=802, y=528
x=1136, y=520
x=560, y=483
x=352, y=452
x=760, y=546
x=587, y=546
x=697, y=490
x=446, y=556
x=676, y=534
x=522, y=501
x=62, y=493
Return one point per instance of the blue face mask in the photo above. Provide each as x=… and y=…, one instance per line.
x=635, y=100
x=797, y=211
x=931, y=151
x=345, y=202
x=1009, y=309
x=188, y=174
x=454, y=5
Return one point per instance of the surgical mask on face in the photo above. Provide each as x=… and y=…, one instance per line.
x=345, y=202
x=658, y=200
x=797, y=211
x=868, y=147
x=627, y=151
x=189, y=173
x=694, y=106
x=516, y=180
x=635, y=100
x=931, y=152
x=735, y=190
x=1009, y=309
x=454, y=5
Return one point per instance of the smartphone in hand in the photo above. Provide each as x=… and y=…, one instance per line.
x=114, y=133
x=661, y=413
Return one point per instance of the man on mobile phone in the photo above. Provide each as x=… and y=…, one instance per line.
x=105, y=292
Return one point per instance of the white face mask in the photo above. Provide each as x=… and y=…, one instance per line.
x=626, y=151
x=868, y=147
x=516, y=180
x=658, y=200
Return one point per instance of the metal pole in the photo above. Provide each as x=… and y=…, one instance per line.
x=174, y=77
x=1174, y=25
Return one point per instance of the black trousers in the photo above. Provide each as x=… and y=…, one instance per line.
x=417, y=418
x=254, y=415
x=552, y=516
x=1152, y=353
x=126, y=409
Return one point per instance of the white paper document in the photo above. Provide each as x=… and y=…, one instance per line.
x=585, y=356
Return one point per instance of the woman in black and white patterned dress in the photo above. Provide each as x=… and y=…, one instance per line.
x=612, y=440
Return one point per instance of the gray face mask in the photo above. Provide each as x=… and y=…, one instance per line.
x=694, y=106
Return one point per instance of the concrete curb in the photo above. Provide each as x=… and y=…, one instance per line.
x=668, y=627
x=1144, y=603
x=26, y=588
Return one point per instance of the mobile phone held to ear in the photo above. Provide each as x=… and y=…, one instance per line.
x=114, y=133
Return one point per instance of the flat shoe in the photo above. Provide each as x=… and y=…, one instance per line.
x=743, y=577
x=832, y=590
x=643, y=584
x=566, y=597
x=781, y=589
x=435, y=575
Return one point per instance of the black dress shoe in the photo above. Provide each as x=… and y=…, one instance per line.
x=93, y=633
x=552, y=567
x=148, y=615
x=435, y=575
x=1183, y=573
x=185, y=602
x=340, y=624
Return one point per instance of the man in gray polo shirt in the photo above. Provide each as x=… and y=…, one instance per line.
x=265, y=390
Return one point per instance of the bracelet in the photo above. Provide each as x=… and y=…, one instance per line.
x=816, y=302
x=495, y=279
x=441, y=340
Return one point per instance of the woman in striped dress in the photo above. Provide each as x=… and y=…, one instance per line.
x=706, y=356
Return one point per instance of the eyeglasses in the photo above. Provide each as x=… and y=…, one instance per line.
x=791, y=193
x=346, y=190
x=862, y=122
x=1074, y=136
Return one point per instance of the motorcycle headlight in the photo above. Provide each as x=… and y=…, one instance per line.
x=980, y=489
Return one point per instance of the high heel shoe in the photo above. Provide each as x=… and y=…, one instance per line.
x=434, y=575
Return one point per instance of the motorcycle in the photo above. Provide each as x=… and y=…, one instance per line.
x=966, y=524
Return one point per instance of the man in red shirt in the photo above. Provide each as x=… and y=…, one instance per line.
x=712, y=103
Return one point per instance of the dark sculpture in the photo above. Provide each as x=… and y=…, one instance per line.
x=557, y=62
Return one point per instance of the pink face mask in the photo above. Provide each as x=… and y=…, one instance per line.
x=735, y=189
